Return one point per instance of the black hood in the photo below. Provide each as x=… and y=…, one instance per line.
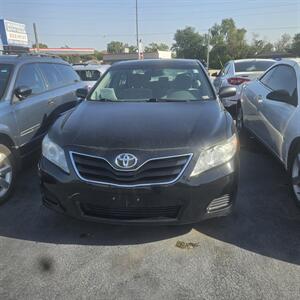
x=142, y=125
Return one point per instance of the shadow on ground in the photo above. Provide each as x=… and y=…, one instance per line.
x=266, y=221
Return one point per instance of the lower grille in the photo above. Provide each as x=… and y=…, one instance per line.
x=130, y=213
x=219, y=203
x=163, y=170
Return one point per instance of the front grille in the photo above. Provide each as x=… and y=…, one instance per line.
x=155, y=171
x=219, y=203
x=130, y=213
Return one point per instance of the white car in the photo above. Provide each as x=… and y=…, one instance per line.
x=90, y=73
x=270, y=110
x=238, y=72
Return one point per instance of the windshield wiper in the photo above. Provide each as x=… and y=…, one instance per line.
x=165, y=100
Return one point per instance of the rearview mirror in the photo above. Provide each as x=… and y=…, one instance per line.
x=23, y=92
x=227, y=91
x=280, y=95
x=82, y=93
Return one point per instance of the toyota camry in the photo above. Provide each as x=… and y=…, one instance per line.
x=151, y=143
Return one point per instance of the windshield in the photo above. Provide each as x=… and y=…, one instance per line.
x=89, y=75
x=5, y=71
x=141, y=84
x=253, y=66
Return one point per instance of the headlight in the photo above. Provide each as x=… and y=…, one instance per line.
x=54, y=153
x=215, y=156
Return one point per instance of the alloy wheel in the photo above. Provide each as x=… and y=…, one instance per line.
x=5, y=174
x=239, y=119
x=296, y=177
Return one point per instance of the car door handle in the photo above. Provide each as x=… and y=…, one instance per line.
x=51, y=102
x=259, y=98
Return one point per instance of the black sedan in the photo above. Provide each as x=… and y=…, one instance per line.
x=151, y=144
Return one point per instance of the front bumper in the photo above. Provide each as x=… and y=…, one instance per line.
x=186, y=201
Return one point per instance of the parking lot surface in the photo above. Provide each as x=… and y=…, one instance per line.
x=254, y=254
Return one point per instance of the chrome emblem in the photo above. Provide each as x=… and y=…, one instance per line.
x=126, y=160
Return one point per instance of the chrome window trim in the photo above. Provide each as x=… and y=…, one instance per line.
x=189, y=155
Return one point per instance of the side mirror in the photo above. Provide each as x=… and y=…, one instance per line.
x=23, y=92
x=82, y=93
x=215, y=74
x=227, y=91
x=280, y=95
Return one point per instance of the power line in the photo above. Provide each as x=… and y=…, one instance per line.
x=155, y=33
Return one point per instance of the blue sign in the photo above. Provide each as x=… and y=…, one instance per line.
x=13, y=34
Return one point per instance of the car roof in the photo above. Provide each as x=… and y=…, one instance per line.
x=20, y=59
x=90, y=67
x=253, y=59
x=173, y=63
x=292, y=60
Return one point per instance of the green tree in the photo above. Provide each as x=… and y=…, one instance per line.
x=153, y=47
x=283, y=44
x=189, y=44
x=41, y=45
x=295, y=47
x=259, y=46
x=228, y=42
x=115, y=47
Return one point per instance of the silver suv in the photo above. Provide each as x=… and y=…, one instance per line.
x=34, y=91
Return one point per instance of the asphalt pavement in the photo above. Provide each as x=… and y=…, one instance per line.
x=252, y=254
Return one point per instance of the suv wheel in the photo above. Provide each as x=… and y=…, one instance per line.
x=294, y=174
x=239, y=119
x=7, y=173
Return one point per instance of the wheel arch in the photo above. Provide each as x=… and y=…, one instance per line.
x=9, y=143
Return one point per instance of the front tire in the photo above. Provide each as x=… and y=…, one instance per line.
x=7, y=173
x=294, y=175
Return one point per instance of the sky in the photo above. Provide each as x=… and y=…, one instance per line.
x=94, y=23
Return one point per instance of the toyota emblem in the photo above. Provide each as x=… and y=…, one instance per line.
x=126, y=160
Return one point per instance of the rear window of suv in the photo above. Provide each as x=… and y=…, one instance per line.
x=5, y=71
x=88, y=75
x=253, y=66
x=58, y=75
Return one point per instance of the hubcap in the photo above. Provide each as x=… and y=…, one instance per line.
x=5, y=174
x=296, y=176
x=239, y=119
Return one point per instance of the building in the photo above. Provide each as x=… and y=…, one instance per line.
x=112, y=58
x=64, y=51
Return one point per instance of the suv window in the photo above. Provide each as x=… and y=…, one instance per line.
x=88, y=75
x=67, y=73
x=5, y=71
x=52, y=75
x=30, y=76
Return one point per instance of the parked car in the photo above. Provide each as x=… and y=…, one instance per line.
x=270, y=110
x=151, y=144
x=238, y=72
x=89, y=73
x=34, y=91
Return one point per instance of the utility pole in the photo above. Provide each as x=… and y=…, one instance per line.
x=36, y=38
x=208, y=49
x=137, y=28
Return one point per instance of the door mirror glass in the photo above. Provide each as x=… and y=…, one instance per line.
x=227, y=91
x=281, y=96
x=23, y=92
x=82, y=93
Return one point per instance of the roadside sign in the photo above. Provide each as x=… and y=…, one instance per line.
x=13, y=34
